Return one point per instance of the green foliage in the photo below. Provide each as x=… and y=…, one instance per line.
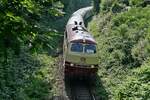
x=96, y=4
x=49, y=41
x=126, y=39
x=116, y=6
x=136, y=2
x=19, y=21
x=132, y=27
x=113, y=5
x=26, y=77
x=136, y=86
x=28, y=29
x=123, y=46
x=107, y=4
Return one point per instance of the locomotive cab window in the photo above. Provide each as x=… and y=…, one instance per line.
x=77, y=47
x=90, y=48
x=83, y=48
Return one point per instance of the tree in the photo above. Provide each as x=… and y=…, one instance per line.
x=18, y=22
x=96, y=5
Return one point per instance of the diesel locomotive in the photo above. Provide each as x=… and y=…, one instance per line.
x=79, y=47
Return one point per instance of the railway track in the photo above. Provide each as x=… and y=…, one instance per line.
x=79, y=90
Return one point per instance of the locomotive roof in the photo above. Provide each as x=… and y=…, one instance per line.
x=78, y=34
x=76, y=20
x=79, y=15
x=82, y=12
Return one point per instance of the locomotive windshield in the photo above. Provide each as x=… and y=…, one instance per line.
x=77, y=47
x=90, y=48
x=86, y=48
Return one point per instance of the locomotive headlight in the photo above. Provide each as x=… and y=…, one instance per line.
x=92, y=66
x=84, y=40
x=71, y=64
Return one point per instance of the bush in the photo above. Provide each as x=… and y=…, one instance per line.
x=136, y=86
x=26, y=77
x=126, y=38
x=123, y=46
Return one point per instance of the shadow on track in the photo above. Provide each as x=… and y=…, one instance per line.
x=83, y=88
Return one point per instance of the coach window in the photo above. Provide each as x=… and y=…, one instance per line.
x=77, y=47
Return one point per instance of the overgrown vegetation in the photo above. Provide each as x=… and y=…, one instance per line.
x=26, y=65
x=31, y=34
x=122, y=32
x=136, y=86
x=27, y=77
x=19, y=24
